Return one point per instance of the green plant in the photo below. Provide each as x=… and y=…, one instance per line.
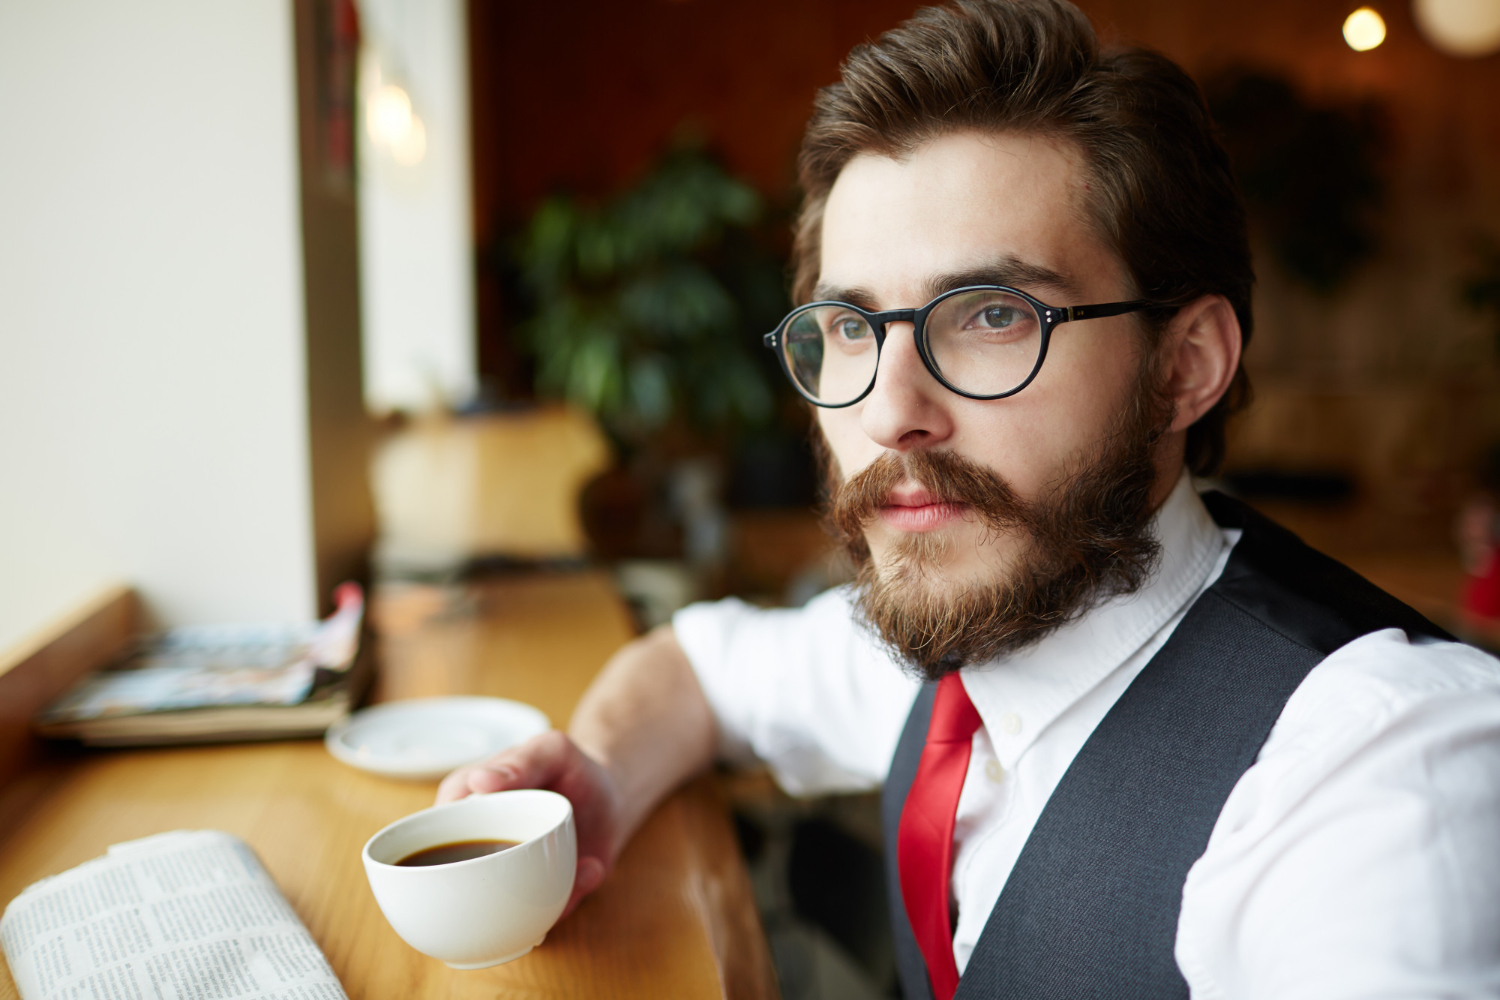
x=646, y=309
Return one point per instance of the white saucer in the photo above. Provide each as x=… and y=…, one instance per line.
x=425, y=738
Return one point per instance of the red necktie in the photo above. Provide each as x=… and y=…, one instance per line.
x=924, y=839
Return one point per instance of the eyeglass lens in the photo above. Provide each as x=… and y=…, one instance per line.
x=983, y=342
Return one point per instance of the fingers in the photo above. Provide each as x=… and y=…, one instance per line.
x=533, y=764
x=454, y=787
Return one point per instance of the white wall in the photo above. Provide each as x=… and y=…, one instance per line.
x=152, y=367
x=416, y=227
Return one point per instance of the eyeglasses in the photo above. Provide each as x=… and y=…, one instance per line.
x=982, y=342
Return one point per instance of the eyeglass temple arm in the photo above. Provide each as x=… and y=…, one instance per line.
x=1101, y=310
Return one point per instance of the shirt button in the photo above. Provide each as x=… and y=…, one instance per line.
x=1010, y=723
x=994, y=771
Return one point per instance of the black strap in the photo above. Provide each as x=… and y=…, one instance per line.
x=1091, y=907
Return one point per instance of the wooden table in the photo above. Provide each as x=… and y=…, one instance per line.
x=675, y=919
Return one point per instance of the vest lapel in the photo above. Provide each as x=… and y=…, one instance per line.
x=1090, y=909
x=909, y=961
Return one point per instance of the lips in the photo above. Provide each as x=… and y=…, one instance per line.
x=913, y=508
x=919, y=491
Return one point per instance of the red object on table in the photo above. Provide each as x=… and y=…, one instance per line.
x=1481, y=596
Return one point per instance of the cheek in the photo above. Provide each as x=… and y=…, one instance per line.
x=1037, y=435
x=1097, y=371
x=851, y=448
x=1020, y=438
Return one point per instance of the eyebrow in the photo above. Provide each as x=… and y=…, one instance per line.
x=1009, y=271
x=855, y=296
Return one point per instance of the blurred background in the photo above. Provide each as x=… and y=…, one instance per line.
x=428, y=291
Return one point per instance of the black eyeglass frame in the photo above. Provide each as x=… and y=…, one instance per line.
x=1051, y=317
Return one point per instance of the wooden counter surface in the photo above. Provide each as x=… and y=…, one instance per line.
x=675, y=919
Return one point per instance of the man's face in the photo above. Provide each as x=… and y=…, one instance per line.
x=994, y=209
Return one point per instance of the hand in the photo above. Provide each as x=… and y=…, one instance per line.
x=554, y=762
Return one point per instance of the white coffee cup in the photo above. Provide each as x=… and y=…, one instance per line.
x=491, y=909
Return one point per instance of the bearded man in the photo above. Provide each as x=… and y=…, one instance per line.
x=1133, y=742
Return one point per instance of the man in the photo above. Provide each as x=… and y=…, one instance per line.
x=1130, y=748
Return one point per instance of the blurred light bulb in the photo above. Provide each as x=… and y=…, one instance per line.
x=388, y=116
x=1460, y=27
x=411, y=147
x=1364, y=29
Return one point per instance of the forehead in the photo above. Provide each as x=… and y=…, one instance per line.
x=895, y=227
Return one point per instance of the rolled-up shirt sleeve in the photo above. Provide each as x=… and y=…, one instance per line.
x=808, y=691
x=1360, y=856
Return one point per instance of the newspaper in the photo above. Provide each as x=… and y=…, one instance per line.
x=187, y=914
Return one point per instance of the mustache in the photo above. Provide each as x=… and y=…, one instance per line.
x=949, y=477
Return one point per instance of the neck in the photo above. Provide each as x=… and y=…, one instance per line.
x=1170, y=452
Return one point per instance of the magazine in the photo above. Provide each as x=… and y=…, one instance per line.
x=221, y=682
x=186, y=914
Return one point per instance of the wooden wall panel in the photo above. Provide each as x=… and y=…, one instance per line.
x=42, y=667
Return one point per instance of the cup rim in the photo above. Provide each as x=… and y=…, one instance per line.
x=566, y=815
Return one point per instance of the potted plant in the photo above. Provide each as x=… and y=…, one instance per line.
x=647, y=311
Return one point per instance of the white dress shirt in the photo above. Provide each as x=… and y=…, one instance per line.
x=1358, y=857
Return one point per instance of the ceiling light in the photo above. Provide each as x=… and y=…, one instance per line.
x=388, y=114
x=1364, y=30
x=1466, y=28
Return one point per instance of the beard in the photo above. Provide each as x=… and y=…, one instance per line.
x=1082, y=541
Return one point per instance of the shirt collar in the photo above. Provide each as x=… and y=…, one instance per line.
x=1020, y=694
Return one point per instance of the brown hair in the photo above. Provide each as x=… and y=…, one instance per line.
x=1165, y=196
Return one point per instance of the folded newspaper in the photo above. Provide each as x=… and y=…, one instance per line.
x=220, y=682
x=178, y=916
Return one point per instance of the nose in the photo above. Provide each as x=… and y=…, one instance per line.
x=907, y=408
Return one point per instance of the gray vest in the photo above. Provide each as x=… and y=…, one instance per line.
x=1090, y=909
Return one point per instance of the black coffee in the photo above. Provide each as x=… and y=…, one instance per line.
x=462, y=850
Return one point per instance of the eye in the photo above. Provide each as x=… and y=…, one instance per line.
x=851, y=328
x=998, y=317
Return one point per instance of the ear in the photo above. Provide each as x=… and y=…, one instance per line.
x=1201, y=353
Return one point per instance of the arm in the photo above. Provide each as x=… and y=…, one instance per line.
x=640, y=730
x=645, y=719
x=1357, y=857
